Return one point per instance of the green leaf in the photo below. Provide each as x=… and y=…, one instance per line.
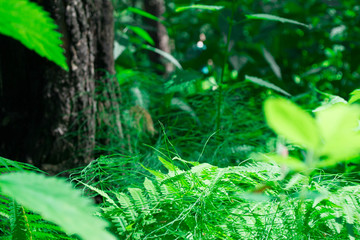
x=127, y=206
x=291, y=122
x=355, y=96
x=19, y=224
x=270, y=59
x=337, y=125
x=31, y=25
x=266, y=84
x=262, y=16
x=199, y=6
x=143, y=13
x=151, y=189
x=139, y=199
x=56, y=201
x=164, y=54
x=142, y=33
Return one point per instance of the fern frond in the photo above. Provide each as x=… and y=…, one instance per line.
x=20, y=228
x=140, y=201
x=32, y=26
x=152, y=191
x=127, y=206
x=57, y=201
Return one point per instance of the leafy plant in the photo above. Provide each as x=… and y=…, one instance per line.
x=256, y=200
x=31, y=25
x=55, y=200
x=330, y=138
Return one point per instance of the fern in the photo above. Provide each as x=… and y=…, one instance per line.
x=253, y=201
x=31, y=25
x=20, y=223
x=54, y=200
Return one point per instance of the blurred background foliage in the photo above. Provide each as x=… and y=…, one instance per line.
x=177, y=109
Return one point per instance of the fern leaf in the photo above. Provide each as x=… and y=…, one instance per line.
x=139, y=199
x=101, y=193
x=120, y=223
x=56, y=201
x=159, y=175
x=151, y=189
x=127, y=206
x=19, y=224
x=170, y=166
x=32, y=26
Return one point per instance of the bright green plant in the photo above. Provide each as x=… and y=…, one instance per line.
x=331, y=137
x=31, y=25
x=193, y=204
x=255, y=200
x=52, y=198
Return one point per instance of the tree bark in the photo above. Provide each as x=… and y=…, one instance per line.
x=51, y=122
x=158, y=33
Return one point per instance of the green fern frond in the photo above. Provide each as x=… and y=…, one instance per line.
x=127, y=206
x=120, y=223
x=56, y=201
x=31, y=25
x=101, y=193
x=152, y=191
x=139, y=199
x=20, y=228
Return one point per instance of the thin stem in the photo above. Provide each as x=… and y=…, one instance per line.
x=224, y=67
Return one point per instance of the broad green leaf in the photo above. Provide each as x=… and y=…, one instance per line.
x=142, y=33
x=31, y=25
x=355, y=96
x=291, y=122
x=164, y=54
x=337, y=125
x=199, y=6
x=56, y=201
x=266, y=84
x=143, y=13
x=262, y=16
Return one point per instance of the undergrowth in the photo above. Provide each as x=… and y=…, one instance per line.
x=254, y=200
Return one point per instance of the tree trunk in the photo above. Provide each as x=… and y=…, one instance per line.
x=48, y=114
x=158, y=32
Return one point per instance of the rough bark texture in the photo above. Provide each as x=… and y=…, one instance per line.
x=158, y=33
x=48, y=114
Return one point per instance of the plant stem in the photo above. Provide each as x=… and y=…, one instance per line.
x=224, y=67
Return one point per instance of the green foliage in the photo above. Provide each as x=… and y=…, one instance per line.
x=55, y=201
x=266, y=84
x=199, y=6
x=290, y=121
x=250, y=201
x=213, y=118
x=332, y=137
x=270, y=17
x=31, y=25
